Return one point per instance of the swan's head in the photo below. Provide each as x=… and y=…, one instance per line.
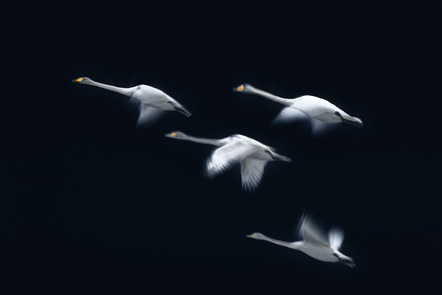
x=82, y=80
x=242, y=88
x=257, y=236
x=176, y=135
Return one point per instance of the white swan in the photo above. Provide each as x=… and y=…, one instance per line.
x=251, y=154
x=153, y=101
x=314, y=243
x=307, y=105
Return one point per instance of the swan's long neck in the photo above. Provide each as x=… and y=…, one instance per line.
x=283, y=101
x=124, y=91
x=216, y=142
x=278, y=242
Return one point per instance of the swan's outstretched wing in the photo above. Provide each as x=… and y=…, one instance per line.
x=227, y=155
x=336, y=237
x=148, y=115
x=251, y=173
x=311, y=233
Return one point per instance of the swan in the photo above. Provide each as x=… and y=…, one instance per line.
x=251, y=154
x=307, y=106
x=153, y=101
x=314, y=243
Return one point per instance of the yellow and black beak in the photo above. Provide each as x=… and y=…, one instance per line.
x=77, y=80
x=171, y=134
x=240, y=88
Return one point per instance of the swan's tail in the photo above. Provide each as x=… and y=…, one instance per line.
x=279, y=157
x=345, y=260
x=181, y=109
x=354, y=121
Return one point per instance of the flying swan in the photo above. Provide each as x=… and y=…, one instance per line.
x=251, y=154
x=320, y=110
x=314, y=243
x=153, y=101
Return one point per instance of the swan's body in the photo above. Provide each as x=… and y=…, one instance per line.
x=251, y=154
x=153, y=101
x=314, y=243
x=307, y=105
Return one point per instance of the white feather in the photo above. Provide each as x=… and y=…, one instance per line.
x=252, y=171
x=314, y=243
x=234, y=149
x=309, y=105
x=151, y=99
x=311, y=233
x=336, y=237
x=227, y=155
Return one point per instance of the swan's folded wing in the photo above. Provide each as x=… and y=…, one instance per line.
x=227, y=155
x=311, y=233
x=251, y=173
x=148, y=115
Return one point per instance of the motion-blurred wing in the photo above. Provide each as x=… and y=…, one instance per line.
x=288, y=115
x=321, y=127
x=227, y=155
x=148, y=115
x=311, y=233
x=336, y=237
x=251, y=173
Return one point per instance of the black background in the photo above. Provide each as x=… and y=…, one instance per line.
x=92, y=205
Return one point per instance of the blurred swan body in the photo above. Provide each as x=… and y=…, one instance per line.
x=320, y=111
x=153, y=101
x=314, y=243
x=251, y=154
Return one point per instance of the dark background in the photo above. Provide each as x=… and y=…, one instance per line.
x=92, y=205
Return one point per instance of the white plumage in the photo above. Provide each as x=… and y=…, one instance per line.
x=320, y=112
x=153, y=101
x=314, y=243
